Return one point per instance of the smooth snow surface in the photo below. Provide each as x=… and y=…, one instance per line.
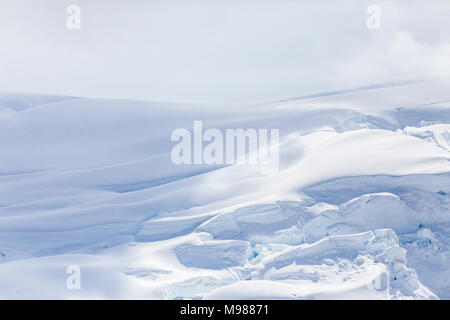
x=359, y=208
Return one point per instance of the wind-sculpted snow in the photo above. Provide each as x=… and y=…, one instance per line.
x=359, y=208
x=166, y=228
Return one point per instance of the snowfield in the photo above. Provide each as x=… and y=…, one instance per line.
x=360, y=208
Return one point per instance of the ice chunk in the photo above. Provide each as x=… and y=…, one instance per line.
x=258, y=223
x=381, y=210
x=215, y=255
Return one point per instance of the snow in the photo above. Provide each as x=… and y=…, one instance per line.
x=214, y=255
x=358, y=210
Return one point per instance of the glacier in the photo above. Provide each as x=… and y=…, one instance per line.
x=360, y=208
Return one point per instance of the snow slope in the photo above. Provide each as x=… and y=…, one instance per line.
x=358, y=210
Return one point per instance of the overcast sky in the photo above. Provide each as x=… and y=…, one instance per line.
x=218, y=50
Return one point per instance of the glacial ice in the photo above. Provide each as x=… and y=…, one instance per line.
x=358, y=210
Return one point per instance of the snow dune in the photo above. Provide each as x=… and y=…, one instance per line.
x=359, y=208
